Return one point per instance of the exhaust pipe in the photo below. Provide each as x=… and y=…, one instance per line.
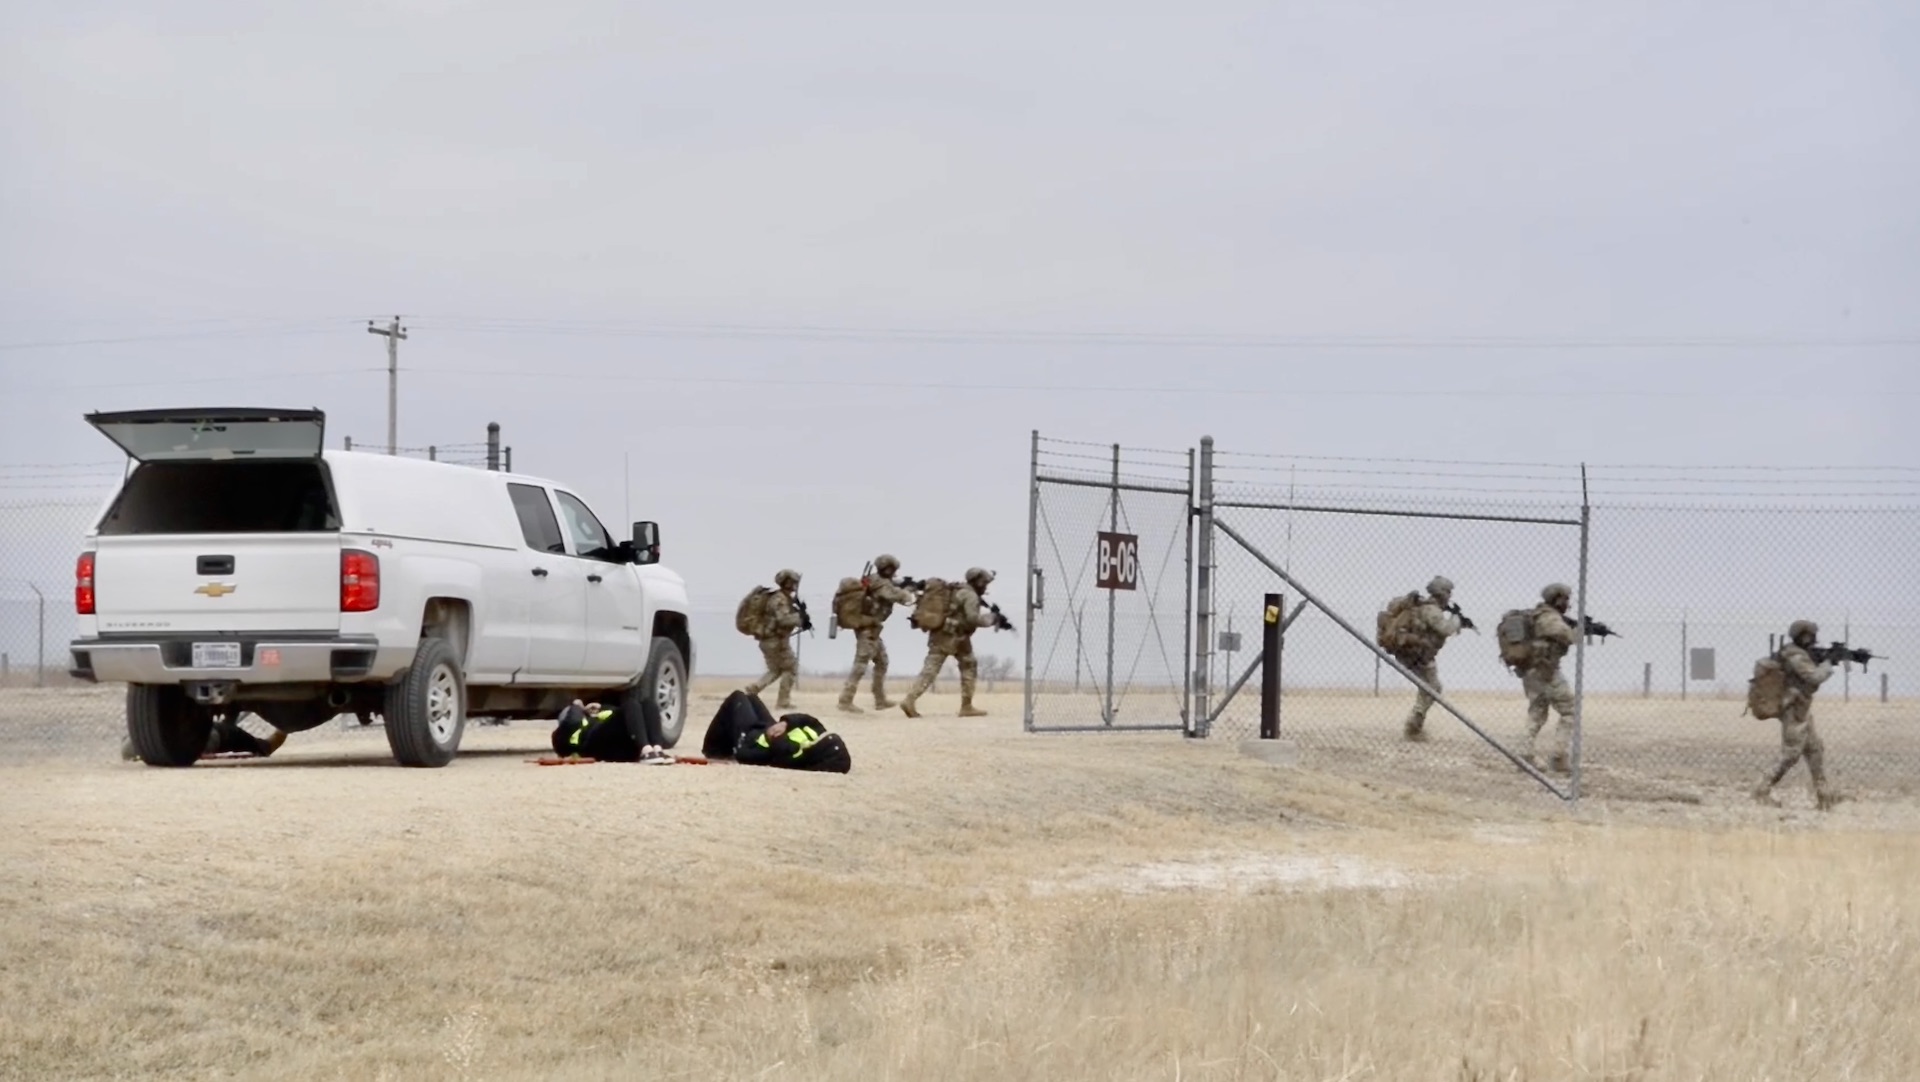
x=338, y=698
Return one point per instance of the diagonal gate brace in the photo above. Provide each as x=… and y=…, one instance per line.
x=1389, y=659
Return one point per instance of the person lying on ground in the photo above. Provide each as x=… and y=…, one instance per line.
x=795, y=742
x=225, y=738
x=593, y=731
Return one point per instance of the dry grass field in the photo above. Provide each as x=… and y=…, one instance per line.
x=970, y=903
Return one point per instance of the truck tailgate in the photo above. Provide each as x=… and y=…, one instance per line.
x=260, y=582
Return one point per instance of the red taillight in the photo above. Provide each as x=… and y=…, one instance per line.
x=359, y=581
x=83, y=585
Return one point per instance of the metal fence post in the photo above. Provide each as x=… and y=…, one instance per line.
x=1683, y=655
x=1113, y=596
x=1033, y=549
x=1883, y=687
x=1203, y=596
x=493, y=445
x=1580, y=644
x=40, y=642
x=1186, y=609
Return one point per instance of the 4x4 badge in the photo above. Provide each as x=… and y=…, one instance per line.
x=216, y=589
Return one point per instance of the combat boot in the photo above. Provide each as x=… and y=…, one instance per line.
x=906, y=707
x=968, y=710
x=1826, y=799
x=1763, y=794
x=1560, y=764
x=1415, y=731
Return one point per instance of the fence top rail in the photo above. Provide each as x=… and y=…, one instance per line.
x=1392, y=512
x=1125, y=484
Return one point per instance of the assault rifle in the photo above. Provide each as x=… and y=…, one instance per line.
x=1594, y=627
x=1840, y=651
x=916, y=585
x=1465, y=621
x=806, y=618
x=1000, y=621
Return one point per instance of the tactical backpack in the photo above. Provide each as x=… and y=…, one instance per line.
x=1394, y=630
x=1767, y=691
x=752, y=618
x=852, y=605
x=1515, y=636
x=930, y=613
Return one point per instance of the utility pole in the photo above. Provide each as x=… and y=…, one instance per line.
x=394, y=333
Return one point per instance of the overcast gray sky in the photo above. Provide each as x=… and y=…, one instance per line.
x=620, y=228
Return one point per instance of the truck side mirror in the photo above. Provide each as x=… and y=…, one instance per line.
x=646, y=543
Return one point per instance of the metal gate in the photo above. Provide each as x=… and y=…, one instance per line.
x=1109, y=588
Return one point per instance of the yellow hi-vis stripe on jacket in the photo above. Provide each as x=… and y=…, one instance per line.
x=801, y=736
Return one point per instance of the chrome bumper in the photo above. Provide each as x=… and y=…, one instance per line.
x=265, y=658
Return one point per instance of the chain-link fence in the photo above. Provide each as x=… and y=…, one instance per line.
x=1692, y=574
x=1335, y=538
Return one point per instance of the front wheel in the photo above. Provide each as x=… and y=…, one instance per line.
x=660, y=697
x=166, y=727
x=426, y=709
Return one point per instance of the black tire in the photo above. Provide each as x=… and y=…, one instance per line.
x=658, y=700
x=167, y=728
x=426, y=709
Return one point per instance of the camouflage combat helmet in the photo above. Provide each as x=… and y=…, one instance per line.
x=1441, y=586
x=978, y=577
x=886, y=565
x=1803, y=631
x=786, y=577
x=1556, y=593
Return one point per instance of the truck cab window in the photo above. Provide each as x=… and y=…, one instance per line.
x=590, y=539
x=537, y=524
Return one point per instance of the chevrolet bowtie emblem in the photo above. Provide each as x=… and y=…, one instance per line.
x=216, y=589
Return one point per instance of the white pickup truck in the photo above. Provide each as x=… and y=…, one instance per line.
x=241, y=566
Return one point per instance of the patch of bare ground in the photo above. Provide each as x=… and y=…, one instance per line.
x=970, y=903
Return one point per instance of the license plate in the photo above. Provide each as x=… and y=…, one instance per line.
x=216, y=655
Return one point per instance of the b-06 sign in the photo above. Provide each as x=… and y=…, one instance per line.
x=1118, y=566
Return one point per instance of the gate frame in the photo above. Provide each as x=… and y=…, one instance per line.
x=1036, y=591
x=1198, y=711
x=1206, y=508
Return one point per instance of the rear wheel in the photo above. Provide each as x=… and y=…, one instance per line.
x=426, y=709
x=166, y=727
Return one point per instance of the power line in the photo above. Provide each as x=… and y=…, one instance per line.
x=520, y=325
x=1100, y=388
x=270, y=377
x=510, y=325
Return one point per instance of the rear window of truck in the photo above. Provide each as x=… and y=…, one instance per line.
x=223, y=497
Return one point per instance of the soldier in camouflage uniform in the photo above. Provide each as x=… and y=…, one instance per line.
x=1798, y=740
x=1432, y=625
x=868, y=647
x=776, y=646
x=1542, y=680
x=965, y=615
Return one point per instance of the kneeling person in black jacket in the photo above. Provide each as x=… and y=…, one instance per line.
x=795, y=742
